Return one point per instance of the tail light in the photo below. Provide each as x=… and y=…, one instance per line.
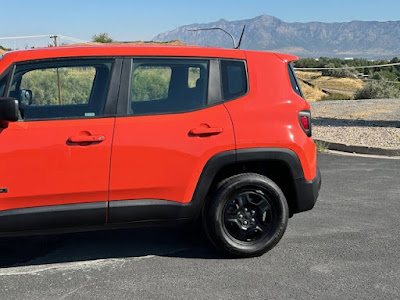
x=305, y=121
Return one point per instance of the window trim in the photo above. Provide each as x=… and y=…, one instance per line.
x=110, y=102
x=8, y=74
x=247, y=79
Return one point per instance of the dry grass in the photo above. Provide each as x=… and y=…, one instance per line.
x=311, y=94
x=344, y=84
x=343, y=87
x=308, y=75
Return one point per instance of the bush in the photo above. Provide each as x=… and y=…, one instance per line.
x=382, y=75
x=340, y=73
x=102, y=38
x=378, y=90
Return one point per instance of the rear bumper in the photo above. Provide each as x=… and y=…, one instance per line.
x=307, y=192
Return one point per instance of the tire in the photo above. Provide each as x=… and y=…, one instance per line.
x=246, y=216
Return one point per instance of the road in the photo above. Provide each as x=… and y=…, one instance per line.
x=347, y=247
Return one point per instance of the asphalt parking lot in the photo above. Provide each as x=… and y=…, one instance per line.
x=347, y=247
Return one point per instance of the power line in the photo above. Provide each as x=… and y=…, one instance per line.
x=65, y=37
x=347, y=67
x=24, y=37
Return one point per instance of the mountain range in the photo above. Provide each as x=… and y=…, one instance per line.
x=366, y=39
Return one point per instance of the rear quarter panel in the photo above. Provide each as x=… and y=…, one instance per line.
x=268, y=115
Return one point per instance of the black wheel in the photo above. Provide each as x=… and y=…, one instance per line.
x=247, y=215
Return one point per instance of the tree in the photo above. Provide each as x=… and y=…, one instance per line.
x=102, y=38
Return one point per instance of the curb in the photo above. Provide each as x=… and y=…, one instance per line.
x=359, y=149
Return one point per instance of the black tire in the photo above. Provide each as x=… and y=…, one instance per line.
x=246, y=216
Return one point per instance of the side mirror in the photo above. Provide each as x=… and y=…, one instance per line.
x=9, y=110
x=26, y=97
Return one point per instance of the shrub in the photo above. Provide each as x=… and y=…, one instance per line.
x=102, y=38
x=340, y=73
x=378, y=90
x=382, y=75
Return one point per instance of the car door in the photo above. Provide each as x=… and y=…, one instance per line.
x=56, y=158
x=166, y=132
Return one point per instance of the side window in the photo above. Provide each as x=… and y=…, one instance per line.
x=293, y=81
x=162, y=86
x=234, y=79
x=61, y=89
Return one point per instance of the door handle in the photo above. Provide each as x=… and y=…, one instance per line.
x=86, y=139
x=206, y=130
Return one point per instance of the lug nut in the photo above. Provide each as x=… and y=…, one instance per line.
x=245, y=222
x=253, y=220
x=245, y=209
x=253, y=212
x=240, y=216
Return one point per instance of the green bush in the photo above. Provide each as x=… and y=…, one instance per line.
x=385, y=75
x=102, y=38
x=378, y=90
x=150, y=84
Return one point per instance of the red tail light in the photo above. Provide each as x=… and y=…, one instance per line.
x=305, y=121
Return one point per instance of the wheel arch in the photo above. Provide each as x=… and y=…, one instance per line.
x=279, y=164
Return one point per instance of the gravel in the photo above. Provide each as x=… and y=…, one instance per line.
x=372, y=123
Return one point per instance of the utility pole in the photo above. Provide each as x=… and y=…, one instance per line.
x=55, y=38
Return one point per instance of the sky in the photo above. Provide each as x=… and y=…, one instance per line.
x=132, y=20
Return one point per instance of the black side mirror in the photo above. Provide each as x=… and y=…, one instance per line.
x=26, y=97
x=8, y=109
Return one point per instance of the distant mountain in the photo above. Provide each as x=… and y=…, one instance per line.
x=368, y=39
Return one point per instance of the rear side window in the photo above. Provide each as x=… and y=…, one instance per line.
x=293, y=80
x=61, y=89
x=162, y=86
x=234, y=79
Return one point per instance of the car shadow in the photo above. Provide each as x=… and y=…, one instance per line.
x=126, y=243
x=354, y=123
